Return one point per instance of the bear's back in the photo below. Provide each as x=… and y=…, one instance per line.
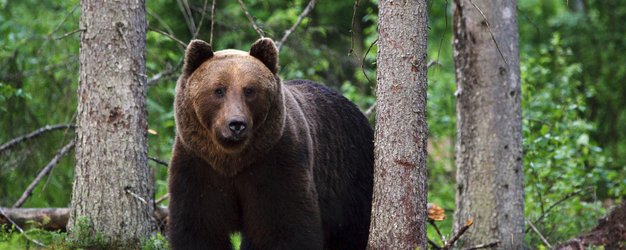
x=343, y=160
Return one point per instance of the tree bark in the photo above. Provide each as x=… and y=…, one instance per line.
x=111, y=148
x=399, y=206
x=489, y=123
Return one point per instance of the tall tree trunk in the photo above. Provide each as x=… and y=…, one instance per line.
x=399, y=206
x=489, y=123
x=111, y=147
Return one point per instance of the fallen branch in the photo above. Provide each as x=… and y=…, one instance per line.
x=34, y=134
x=45, y=218
x=53, y=219
x=481, y=246
x=288, y=32
x=254, y=25
x=66, y=149
x=8, y=219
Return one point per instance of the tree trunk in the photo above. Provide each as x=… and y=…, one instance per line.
x=399, y=206
x=111, y=162
x=489, y=123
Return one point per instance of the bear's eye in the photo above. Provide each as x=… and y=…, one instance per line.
x=219, y=92
x=249, y=92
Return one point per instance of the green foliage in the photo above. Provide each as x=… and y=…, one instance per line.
x=573, y=91
x=83, y=235
x=561, y=158
x=11, y=238
x=155, y=242
x=235, y=240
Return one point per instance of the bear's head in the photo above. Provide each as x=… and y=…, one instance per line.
x=229, y=103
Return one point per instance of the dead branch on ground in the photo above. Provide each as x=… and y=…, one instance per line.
x=9, y=220
x=53, y=219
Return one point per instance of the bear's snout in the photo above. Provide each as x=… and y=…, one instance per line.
x=237, y=126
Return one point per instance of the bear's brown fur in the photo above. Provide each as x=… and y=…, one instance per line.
x=289, y=165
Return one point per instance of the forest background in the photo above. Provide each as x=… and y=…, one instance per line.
x=573, y=83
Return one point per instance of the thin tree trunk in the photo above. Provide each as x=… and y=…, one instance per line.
x=111, y=172
x=489, y=123
x=399, y=206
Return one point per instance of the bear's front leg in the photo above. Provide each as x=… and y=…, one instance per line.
x=201, y=210
x=280, y=211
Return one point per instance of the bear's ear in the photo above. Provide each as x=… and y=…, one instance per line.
x=196, y=53
x=265, y=50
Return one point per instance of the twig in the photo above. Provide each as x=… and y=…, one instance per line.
x=432, y=223
x=458, y=234
x=161, y=199
x=44, y=172
x=201, y=19
x=566, y=197
x=34, y=134
x=491, y=33
x=160, y=20
x=184, y=7
x=212, y=22
x=433, y=63
x=446, y=29
x=169, y=70
x=254, y=25
x=363, y=61
x=127, y=189
x=369, y=110
x=288, y=32
x=159, y=161
x=433, y=244
x=181, y=43
x=69, y=34
x=20, y=229
x=354, y=8
x=64, y=19
x=481, y=246
x=543, y=239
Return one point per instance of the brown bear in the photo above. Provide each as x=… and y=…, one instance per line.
x=287, y=164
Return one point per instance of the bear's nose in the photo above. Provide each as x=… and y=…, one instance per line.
x=237, y=126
